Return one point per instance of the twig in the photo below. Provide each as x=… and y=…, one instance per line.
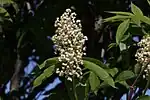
x=132, y=86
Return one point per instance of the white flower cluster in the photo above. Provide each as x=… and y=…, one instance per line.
x=69, y=42
x=143, y=54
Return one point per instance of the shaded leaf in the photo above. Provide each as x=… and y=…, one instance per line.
x=96, y=61
x=145, y=97
x=49, y=62
x=123, y=27
x=125, y=37
x=112, y=71
x=47, y=73
x=111, y=46
x=94, y=82
x=124, y=83
x=124, y=76
x=100, y=72
x=87, y=89
x=137, y=68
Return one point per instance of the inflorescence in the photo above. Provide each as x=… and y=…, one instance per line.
x=143, y=54
x=69, y=44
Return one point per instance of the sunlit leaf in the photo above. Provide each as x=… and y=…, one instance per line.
x=123, y=27
x=136, y=20
x=2, y=10
x=120, y=13
x=117, y=17
x=136, y=10
x=124, y=76
x=122, y=46
x=47, y=73
x=100, y=72
x=148, y=2
x=145, y=19
x=4, y=2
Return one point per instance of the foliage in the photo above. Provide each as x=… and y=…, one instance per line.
x=24, y=30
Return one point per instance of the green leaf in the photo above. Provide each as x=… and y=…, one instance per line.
x=136, y=20
x=136, y=10
x=112, y=71
x=100, y=72
x=96, y=61
x=49, y=62
x=120, y=13
x=145, y=97
x=111, y=46
x=2, y=10
x=148, y=2
x=94, y=82
x=124, y=76
x=47, y=73
x=125, y=37
x=4, y=2
x=16, y=7
x=123, y=27
x=138, y=14
x=117, y=17
x=137, y=68
x=122, y=46
x=124, y=83
x=20, y=40
x=145, y=19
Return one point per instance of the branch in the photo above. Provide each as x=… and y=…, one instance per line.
x=14, y=82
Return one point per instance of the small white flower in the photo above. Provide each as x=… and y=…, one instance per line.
x=143, y=54
x=69, y=41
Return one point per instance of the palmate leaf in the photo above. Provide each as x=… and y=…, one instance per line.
x=100, y=72
x=123, y=27
x=47, y=73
